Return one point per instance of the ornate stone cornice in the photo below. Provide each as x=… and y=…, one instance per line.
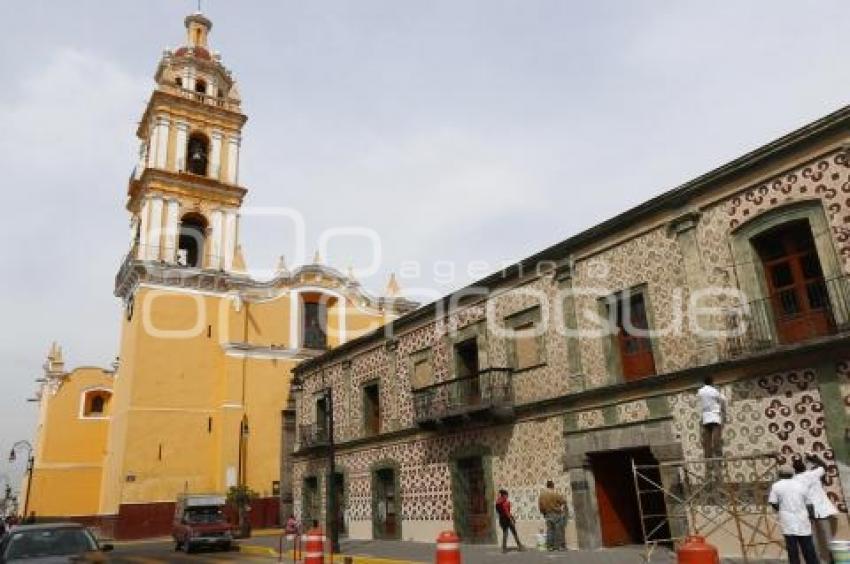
x=183, y=184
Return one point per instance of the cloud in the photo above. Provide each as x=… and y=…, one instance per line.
x=67, y=140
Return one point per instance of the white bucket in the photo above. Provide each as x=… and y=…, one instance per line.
x=840, y=550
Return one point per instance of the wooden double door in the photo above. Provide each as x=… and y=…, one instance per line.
x=474, y=520
x=798, y=294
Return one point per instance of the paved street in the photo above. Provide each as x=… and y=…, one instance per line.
x=398, y=551
x=376, y=552
x=263, y=549
x=161, y=552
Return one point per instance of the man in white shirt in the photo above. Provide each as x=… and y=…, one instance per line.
x=788, y=497
x=823, y=511
x=713, y=408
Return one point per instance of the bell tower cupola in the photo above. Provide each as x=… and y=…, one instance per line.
x=197, y=29
x=184, y=195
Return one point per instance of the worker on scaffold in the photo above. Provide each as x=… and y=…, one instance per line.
x=713, y=406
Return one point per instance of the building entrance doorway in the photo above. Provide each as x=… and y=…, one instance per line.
x=473, y=511
x=616, y=498
x=385, y=506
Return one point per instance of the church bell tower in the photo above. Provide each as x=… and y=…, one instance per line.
x=184, y=195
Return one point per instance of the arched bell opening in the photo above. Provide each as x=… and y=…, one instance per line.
x=197, y=154
x=190, y=246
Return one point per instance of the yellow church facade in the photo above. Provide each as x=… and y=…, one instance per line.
x=194, y=401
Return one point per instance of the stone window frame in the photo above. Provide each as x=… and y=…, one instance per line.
x=752, y=280
x=362, y=387
x=533, y=315
x=611, y=349
x=422, y=355
x=318, y=395
x=476, y=330
x=87, y=395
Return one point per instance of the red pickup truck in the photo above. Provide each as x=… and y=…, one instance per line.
x=199, y=521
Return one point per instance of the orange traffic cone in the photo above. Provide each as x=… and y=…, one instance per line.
x=314, y=546
x=448, y=548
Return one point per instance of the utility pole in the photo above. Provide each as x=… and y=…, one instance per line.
x=331, y=512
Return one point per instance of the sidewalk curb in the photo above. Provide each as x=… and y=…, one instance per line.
x=259, y=550
x=373, y=560
x=134, y=542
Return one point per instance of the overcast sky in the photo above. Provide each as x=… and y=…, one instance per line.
x=459, y=130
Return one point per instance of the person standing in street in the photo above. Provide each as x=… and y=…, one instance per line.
x=823, y=510
x=506, y=520
x=553, y=506
x=713, y=408
x=788, y=497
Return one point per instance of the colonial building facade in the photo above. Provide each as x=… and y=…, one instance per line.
x=584, y=359
x=193, y=403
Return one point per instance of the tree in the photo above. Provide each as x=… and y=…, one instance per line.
x=241, y=497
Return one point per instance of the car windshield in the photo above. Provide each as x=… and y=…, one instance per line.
x=204, y=515
x=48, y=542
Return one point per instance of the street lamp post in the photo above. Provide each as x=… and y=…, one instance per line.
x=331, y=513
x=30, y=465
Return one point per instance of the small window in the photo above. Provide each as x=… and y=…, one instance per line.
x=178, y=82
x=422, y=373
x=315, y=323
x=466, y=358
x=200, y=86
x=96, y=403
x=372, y=409
x=322, y=413
x=525, y=346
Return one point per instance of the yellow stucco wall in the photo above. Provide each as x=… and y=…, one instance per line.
x=69, y=447
x=182, y=393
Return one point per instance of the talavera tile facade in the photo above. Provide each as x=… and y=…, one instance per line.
x=696, y=257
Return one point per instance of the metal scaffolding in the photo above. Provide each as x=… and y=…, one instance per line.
x=712, y=497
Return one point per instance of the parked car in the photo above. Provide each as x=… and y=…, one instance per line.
x=199, y=521
x=50, y=543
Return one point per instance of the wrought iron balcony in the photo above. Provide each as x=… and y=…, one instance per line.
x=312, y=435
x=487, y=395
x=819, y=309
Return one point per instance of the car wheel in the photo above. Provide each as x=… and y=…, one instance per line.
x=226, y=547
